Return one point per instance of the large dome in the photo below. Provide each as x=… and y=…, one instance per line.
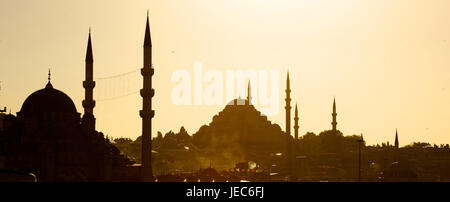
x=48, y=100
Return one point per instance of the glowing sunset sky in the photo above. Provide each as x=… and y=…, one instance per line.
x=386, y=62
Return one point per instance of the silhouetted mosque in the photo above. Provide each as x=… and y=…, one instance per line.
x=49, y=138
x=241, y=133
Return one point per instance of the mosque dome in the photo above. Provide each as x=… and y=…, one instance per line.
x=48, y=100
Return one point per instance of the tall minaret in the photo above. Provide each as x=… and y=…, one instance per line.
x=288, y=125
x=288, y=106
x=296, y=123
x=88, y=119
x=249, y=96
x=147, y=92
x=334, y=114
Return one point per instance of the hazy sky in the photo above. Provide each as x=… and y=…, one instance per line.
x=387, y=62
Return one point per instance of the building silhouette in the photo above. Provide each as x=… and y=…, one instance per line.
x=50, y=139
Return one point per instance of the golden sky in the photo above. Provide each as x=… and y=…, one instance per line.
x=386, y=62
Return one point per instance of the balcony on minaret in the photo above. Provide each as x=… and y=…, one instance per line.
x=88, y=103
x=147, y=92
x=88, y=84
x=288, y=99
x=147, y=71
x=147, y=114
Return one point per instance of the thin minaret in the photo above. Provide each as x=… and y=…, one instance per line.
x=288, y=124
x=296, y=123
x=396, y=146
x=334, y=114
x=4, y=109
x=147, y=92
x=249, y=96
x=49, y=85
x=288, y=106
x=396, y=139
x=88, y=103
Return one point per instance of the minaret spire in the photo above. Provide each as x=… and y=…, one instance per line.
x=396, y=139
x=296, y=123
x=88, y=103
x=288, y=125
x=249, y=95
x=396, y=146
x=334, y=114
x=147, y=38
x=49, y=85
x=288, y=106
x=147, y=113
x=89, y=57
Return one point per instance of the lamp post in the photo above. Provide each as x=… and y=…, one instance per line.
x=359, y=158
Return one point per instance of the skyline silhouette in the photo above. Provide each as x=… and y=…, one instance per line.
x=49, y=140
x=385, y=64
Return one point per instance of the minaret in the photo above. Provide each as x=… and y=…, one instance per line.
x=396, y=139
x=288, y=106
x=49, y=78
x=4, y=109
x=249, y=96
x=334, y=114
x=296, y=123
x=288, y=125
x=396, y=146
x=147, y=92
x=88, y=119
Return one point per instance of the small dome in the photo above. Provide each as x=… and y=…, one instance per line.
x=48, y=100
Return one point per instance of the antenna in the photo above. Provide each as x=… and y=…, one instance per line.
x=4, y=109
